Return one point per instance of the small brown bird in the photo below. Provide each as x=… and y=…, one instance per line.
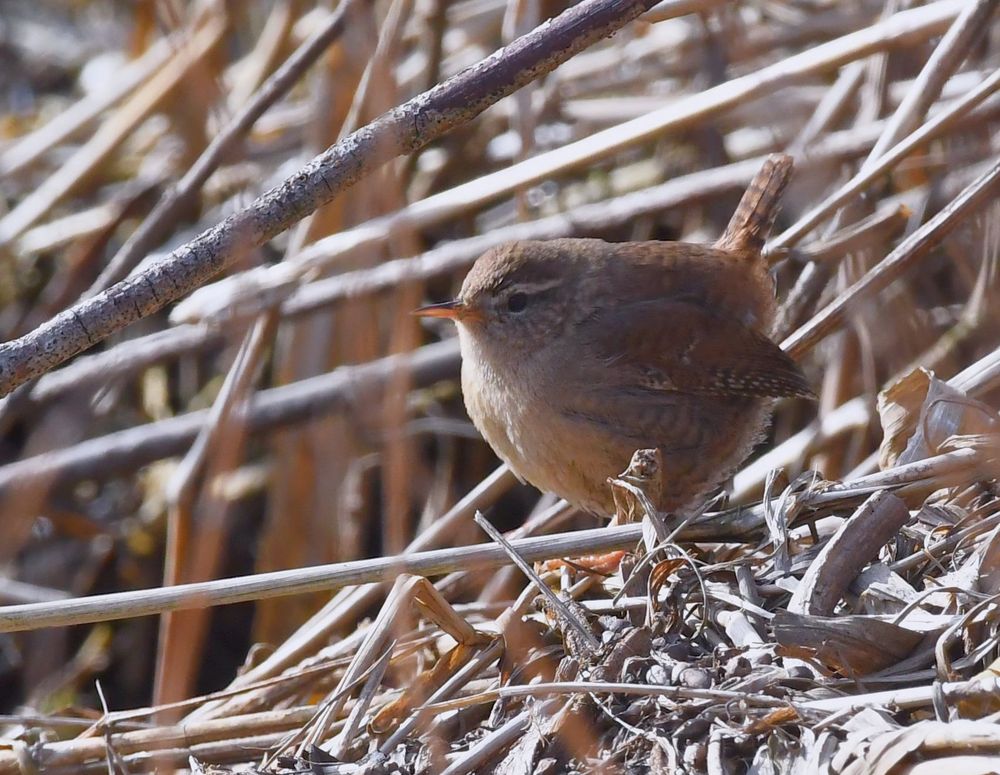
x=578, y=352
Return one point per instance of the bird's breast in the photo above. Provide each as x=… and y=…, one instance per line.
x=497, y=398
x=519, y=410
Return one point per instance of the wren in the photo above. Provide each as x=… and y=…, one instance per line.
x=578, y=352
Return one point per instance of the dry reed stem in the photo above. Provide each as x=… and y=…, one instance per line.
x=302, y=580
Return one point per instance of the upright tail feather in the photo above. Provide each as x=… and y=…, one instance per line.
x=752, y=221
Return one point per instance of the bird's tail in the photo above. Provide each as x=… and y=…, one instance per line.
x=752, y=221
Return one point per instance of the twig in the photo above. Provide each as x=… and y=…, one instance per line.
x=195, y=547
x=905, y=699
x=462, y=676
x=598, y=687
x=565, y=613
x=868, y=232
x=75, y=752
x=125, y=359
x=285, y=405
x=487, y=749
x=971, y=24
x=856, y=543
x=334, y=614
x=152, y=229
x=886, y=162
x=981, y=191
x=122, y=605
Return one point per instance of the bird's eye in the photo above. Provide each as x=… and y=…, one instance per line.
x=517, y=302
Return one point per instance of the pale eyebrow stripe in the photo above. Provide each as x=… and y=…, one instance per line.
x=535, y=287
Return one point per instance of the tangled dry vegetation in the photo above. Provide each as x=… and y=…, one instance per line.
x=290, y=423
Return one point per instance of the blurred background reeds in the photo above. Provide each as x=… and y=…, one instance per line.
x=837, y=605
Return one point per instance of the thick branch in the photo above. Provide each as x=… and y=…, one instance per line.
x=402, y=130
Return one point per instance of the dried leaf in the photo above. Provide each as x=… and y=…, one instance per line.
x=920, y=412
x=855, y=645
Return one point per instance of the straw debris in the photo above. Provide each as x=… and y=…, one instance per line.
x=247, y=524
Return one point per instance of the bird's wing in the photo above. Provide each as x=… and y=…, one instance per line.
x=678, y=346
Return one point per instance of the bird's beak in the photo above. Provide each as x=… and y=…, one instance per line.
x=455, y=309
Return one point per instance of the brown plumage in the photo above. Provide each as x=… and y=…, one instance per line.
x=577, y=352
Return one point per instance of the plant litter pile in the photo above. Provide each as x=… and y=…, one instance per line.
x=247, y=524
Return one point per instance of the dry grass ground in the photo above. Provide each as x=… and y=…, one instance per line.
x=238, y=489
